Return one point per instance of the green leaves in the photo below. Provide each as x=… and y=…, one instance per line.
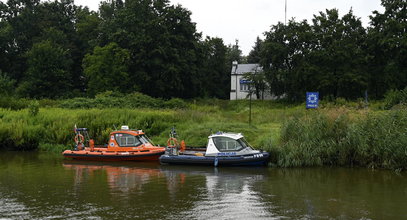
x=107, y=69
x=48, y=73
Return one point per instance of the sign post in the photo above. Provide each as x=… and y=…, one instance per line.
x=312, y=100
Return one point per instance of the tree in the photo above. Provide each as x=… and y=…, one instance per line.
x=258, y=84
x=162, y=41
x=107, y=69
x=47, y=75
x=387, y=49
x=215, y=76
x=6, y=84
x=284, y=59
x=327, y=56
x=339, y=57
x=254, y=54
x=234, y=53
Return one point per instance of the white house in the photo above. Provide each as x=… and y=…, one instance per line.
x=239, y=86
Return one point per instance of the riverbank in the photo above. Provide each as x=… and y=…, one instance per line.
x=334, y=135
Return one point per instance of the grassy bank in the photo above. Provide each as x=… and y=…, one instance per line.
x=22, y=130
x=339, y=137
x=338, y=134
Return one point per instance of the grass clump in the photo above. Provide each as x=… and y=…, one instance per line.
x=395, y=98
x=343, y=138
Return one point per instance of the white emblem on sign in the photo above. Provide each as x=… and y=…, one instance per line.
x=111, y=144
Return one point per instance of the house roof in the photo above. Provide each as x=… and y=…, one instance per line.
x=246, y=68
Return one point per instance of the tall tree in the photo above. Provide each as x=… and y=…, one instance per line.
x=387, y=38
x=107, y=69
x=327, y=56
x=47, y=75
x=284, y=58
x=339, y=58
x=254, y=54
x=162, y=41
x=215, y=76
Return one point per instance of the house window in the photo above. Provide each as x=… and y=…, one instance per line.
x=244, y=87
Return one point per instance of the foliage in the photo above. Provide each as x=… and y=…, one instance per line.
x=154, y=47
x=47, y=75
x=111, y=99
x=34, y=108
x=107, y=69
x=215, y=70
x=10, y=102
x=327, y=56
x=255, y=54
x=6, y=84
x=258, y=84
x=335, y=138
x=395, y=97
x=387, y=41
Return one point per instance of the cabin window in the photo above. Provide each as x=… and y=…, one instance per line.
x=227, y=144
x=127, y=140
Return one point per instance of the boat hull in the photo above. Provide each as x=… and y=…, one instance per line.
x=112, y=156
x=259, y=159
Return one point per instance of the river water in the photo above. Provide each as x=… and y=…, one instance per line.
x=46, y=186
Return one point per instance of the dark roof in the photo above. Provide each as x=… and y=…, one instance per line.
x=246, y=68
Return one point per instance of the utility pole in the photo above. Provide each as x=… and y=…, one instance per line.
x=250, y=109
x=285, y=15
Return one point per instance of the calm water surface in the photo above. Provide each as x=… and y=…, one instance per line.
x=46, y=186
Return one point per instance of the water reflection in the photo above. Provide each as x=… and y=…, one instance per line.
x=192, y=192
x=40, y=186
x=119, y=178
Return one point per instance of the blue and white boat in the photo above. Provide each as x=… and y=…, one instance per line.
x=223, y=149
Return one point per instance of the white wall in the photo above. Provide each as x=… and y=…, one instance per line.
x=242, y=94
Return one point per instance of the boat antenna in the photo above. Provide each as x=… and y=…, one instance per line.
x=115, y=128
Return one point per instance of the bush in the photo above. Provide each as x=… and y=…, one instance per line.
x=395, y=97
x=34, y=108
x=176, y=103
x=13, y=103
x=118, y=100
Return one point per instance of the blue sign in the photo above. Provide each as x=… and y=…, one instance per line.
x=312, y=100
x=244, y=81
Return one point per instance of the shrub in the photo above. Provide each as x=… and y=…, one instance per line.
x=34, y=108
x=176, y=103
x=395, y=97
x=13, y=103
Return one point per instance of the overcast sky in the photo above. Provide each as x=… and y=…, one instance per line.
x=246, y=19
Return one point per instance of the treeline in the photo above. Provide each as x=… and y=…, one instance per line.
x=335, y=55
x=55, y=49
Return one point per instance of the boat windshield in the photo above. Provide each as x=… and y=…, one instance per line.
x=229, y=144
x=144, y=139
x=245, y=143
x=127, y=140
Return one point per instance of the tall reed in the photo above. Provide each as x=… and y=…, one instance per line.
x=341, y=138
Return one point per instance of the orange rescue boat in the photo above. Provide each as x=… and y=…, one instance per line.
x=124, y=145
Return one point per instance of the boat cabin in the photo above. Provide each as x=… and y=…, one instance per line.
x=228, y=144
x=128, y=140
